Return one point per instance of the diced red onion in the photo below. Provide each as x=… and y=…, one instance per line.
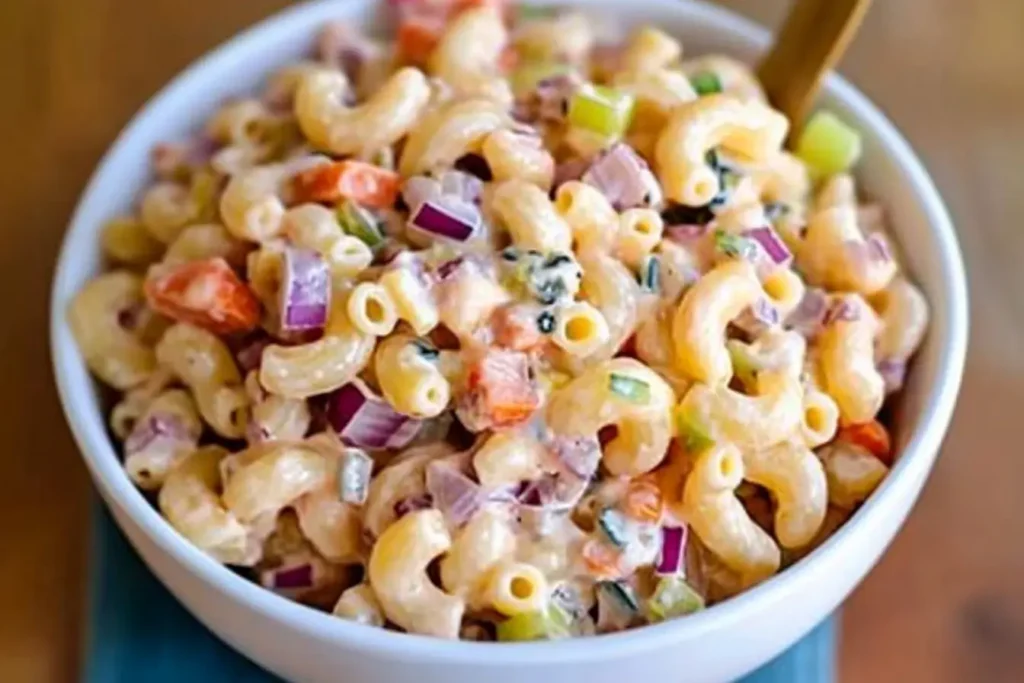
x=843, y=310
x=457, y=496
x=809, y=315
x=878, y=249
x=579, y=455
x=344, y=48
x=672, y=557
x=624, y=178
x=872, y=250
x=462, y=185
x=305, y=291
x=354, y=470
x=412, y=503
x=551, y=96
x=451, y=184
x=758, y=317
x=289, y=578
x=893, y=373
x=685, y=234
x=159, y=430
x=418, y=189
x=365, y=420
x=446, y=217
x=770, y=243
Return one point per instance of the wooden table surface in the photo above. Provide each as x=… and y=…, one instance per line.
x=945, y=604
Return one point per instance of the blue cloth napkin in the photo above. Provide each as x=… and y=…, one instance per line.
x=138, y=633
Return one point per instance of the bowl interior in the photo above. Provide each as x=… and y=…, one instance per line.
x=889, y=173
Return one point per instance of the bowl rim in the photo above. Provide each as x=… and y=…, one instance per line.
x=97, y=450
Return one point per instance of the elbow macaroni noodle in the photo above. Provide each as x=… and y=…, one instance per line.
x=398, y=574
x=501, y=404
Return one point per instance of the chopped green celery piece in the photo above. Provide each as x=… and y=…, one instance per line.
x=601, y=109
x=695, y=437
x=360, y=223
x=743, y=364
x=613, y=524
x=673, y=597
x=706, y=83
x=633, y=390
x=827, y=145
x=542, y=625
x=526, y=76
x=734, y=246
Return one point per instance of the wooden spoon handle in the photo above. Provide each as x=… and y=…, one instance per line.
x=813, y=38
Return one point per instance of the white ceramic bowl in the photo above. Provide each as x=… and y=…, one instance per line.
x=719, y=644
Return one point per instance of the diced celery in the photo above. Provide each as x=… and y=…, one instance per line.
x=360, y=223
x=673, y=597
x=546, y=625
x=734, y=246
x=633, y=390
x=602, y=110
x=827, y=145
x=526, y=76
x=743, y=364
x=706, y=83
x=695, y=437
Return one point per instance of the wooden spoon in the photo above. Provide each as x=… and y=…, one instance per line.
x=813, y=38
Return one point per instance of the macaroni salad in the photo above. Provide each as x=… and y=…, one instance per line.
x=510, y=328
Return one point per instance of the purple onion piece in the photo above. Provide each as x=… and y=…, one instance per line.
x=453, y=493
x=579, y=455
x=893, y=372
x=842, y=310
x=770, y=243
x=624, y=178
x=305, y=291
x=412, y=503
x=808, y=317
x=447, y=218
x=289, y=578
x=364, y=420
x=671, y=558
x=160, y=429
x=757, y=318
x=461, y=185
x=878, y=249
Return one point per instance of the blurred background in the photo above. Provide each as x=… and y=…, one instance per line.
x=947, y=601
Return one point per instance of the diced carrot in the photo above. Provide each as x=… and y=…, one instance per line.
x=643, y=501
x=207, y=294
x=417, y=36
x=368, y=185
x=421, y=25
x=601, y=560
x=502, y=386
x=872, y=436
x=516, y=327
